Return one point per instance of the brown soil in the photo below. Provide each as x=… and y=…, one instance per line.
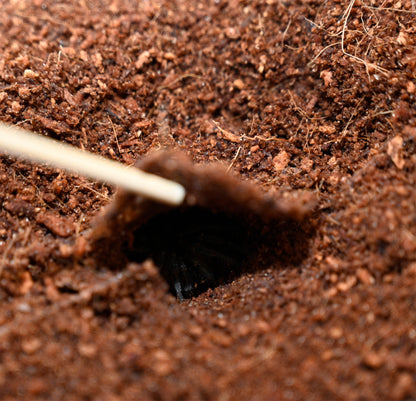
x=310, y=95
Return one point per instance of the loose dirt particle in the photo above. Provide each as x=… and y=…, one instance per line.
x=336, y=333
x=87, y=349
x=347, y=284
x=31, y=345
x=30, y=74
x=281, y=161
x=239, y=84
x=59, y=225
x=364, y=276
x=404, y=387
x=395, y=151
x=373, y=360
x=19, y=207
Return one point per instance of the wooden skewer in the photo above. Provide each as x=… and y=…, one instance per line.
x=36, y=148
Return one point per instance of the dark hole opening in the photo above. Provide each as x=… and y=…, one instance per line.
x=194, y=248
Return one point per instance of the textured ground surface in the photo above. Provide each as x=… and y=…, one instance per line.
x=310, y=95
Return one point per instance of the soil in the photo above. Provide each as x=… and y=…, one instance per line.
x=304, y=95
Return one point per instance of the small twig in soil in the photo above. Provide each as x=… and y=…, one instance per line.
x=98, y=193
x=367, y=64
x=319, y=54
x=285, y=32
x=227, y=134
x=382, y=113
x=234, y=158
x=260, y=138
x=398, y=10
x=115, y=135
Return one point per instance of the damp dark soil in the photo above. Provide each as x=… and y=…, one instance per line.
x=293, y=96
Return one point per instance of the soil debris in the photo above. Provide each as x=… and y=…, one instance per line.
x=328, y=85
